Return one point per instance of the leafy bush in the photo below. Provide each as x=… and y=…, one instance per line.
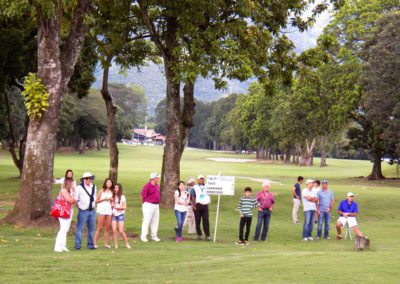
x=35, y=96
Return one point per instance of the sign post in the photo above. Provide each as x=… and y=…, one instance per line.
x=220, y=185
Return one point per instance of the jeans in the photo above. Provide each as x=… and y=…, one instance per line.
x=180, y=218
x=263, y=219
x=308, y=223
x=244, y=221
x=202, y=213
x=324, y=217
x=85, y=217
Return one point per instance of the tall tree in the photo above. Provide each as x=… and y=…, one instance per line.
x=381, y=84
x=353, y=25
x=219, y=39
x=120, y=39
x=17, y=57
x=56, y=61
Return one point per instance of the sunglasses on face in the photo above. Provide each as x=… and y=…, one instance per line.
x=88, y=178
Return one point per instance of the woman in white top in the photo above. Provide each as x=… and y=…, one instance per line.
x=118, y=218
x=67, y=192
x=68, y=174
x=104, y=211
x=182, y=199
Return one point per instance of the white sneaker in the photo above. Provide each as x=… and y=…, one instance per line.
x=65, y=249
x=58, y=250
x=144, y=239
x=310, y=239
x=156, y=239
x=305, y=239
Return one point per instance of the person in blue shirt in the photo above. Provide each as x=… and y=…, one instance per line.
x=348, y=210
x=324, y=208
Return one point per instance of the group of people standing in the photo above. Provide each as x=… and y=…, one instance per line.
x=192, y=208
x=264, y=201
x=111, y=205
x=318, y=204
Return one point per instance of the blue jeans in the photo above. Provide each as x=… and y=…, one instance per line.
x=308, y=223
x=180, y=218
x=324, y=217
x=89, y=218
x=263, y=219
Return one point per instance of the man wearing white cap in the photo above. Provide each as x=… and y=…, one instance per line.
x=150, y=208
x=309, y=198
x=200, y=201
x=85, y=198
x=266, y=201
x=348, y=210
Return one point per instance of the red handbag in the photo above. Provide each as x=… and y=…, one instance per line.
x=61, y=208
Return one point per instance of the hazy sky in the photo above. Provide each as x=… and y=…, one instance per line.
x=152, y=79
x=308, y=39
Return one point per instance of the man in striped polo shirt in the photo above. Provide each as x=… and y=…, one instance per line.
x=245, y=207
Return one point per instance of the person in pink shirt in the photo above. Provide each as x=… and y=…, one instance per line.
x=266, y=201
x=150, y=208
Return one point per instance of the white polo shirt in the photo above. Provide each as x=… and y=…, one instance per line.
x=309, y=205
x=201, y=196
x=83, y=198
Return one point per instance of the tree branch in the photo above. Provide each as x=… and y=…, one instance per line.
x=152, y=29
x=72, y=48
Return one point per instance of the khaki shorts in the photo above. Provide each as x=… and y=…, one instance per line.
x=350, y=220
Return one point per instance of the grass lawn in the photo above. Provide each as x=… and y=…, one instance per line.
x=26, y=254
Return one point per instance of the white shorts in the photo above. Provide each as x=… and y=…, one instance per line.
x=351, y=220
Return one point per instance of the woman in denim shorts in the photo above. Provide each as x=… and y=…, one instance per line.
x=118, y=215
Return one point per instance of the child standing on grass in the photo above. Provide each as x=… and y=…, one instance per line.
x=118, y=217
x=246, y=204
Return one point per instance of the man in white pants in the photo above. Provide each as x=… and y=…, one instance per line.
x=296, y=199
x=150, y=208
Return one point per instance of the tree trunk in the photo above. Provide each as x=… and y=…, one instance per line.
x=188, y=112
x=173, y=142
x=376, y=172
x=324, y=141
x=111, y=134
x=17, y=159
x=306, y=154
x=287, y=156
x=55, y=68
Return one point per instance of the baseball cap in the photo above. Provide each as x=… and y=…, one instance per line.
x=266, y=183
x=190, y=180
x=350, y=194
x=309, y=181
x=324, y=181
x=154, y=175
x=200, y=177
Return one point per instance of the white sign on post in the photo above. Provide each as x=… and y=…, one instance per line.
x=220, y=185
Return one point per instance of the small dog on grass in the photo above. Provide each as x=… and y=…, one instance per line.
x=361, y=243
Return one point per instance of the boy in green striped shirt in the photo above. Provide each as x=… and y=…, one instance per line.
x=246, y=205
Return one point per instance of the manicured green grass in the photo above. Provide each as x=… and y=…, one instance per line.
x=26, y=254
